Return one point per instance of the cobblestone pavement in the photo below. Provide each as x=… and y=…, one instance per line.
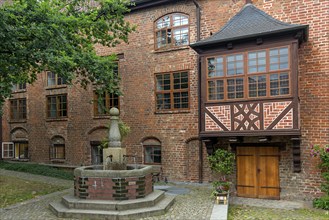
x=195, y=204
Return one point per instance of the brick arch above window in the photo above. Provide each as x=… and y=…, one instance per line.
x=19, y=134
x=195, y=138
x=57, y=139
x=150, y=140
x=172, y=30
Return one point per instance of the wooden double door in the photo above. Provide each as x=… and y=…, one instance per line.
x=258, y=172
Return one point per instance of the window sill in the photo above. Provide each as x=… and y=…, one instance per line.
x=17, y=121
x=57, y=160
x=172, y=112
x=101, y=116
x=56, y=119
x=56, y=87
x=20, y=160
x=267, y=99
x=163, y=50
x=18, y=91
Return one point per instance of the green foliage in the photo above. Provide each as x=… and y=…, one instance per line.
x=323, y=154
x=14, y=190
x=321, y=203
x=124, y=131
x=59, y=35
x=37, y=169
x=222, y=161
x=220, y=187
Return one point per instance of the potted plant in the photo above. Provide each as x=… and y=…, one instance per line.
x=221, y=162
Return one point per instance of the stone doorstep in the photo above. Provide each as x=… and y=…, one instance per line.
x=106, y=205
x=158, y=209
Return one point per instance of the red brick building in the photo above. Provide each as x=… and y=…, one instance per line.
x=198, y=75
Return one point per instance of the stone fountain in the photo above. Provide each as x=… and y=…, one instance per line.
x=113, y=190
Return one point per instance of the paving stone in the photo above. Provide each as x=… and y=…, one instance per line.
x=191, y=203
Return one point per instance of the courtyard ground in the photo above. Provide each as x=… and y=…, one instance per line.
x=193, y=204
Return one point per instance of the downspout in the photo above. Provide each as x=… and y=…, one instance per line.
x=198, y=19
x=198, y=26
x=0, y=137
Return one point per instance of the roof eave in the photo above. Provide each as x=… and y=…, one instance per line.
x=303, y=38
x=148, y=3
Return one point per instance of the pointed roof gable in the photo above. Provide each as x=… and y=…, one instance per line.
x=248, y=23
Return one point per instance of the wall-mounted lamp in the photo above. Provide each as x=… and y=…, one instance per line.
x=264, y=139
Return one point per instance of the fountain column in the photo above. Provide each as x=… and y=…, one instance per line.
x=113, y=155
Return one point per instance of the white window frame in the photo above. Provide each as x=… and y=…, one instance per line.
x=12, y=147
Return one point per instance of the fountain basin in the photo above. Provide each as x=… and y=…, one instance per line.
x=94, y=183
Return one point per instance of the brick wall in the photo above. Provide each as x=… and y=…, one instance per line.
x=180, y=156
x=106, y=188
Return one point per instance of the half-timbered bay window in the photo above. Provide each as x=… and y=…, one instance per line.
x=253, y=74
x=18, y=109
x=171, y=31
x=104, y=102
x=56, y=106
x=172, y=91
x=55, y=80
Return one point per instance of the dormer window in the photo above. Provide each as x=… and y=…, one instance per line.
x=172, y=31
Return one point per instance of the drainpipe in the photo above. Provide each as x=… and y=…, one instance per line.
x=0, y=137
x=198, y=26
x=198, y=18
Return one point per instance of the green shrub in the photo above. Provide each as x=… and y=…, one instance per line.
x=321, y=203
x=323, y=154
x=37, y=169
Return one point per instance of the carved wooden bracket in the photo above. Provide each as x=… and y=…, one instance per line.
x=297, y=167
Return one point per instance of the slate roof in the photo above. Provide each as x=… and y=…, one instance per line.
x=250, y=22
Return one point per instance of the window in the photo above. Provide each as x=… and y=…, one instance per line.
x=7, y=150
x=57, y=148
x=56, y=106
x=18, y=109
x=55, y=80
x=104, y=102
x=172, y=31
x=21, y=150
x=57, y=151
x=152, y=154
x=18, y=87
x=255, y=74
x=172, y=91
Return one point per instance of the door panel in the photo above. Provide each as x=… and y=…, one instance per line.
x=246, y=162
x=258, y=172
x=268, y=176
